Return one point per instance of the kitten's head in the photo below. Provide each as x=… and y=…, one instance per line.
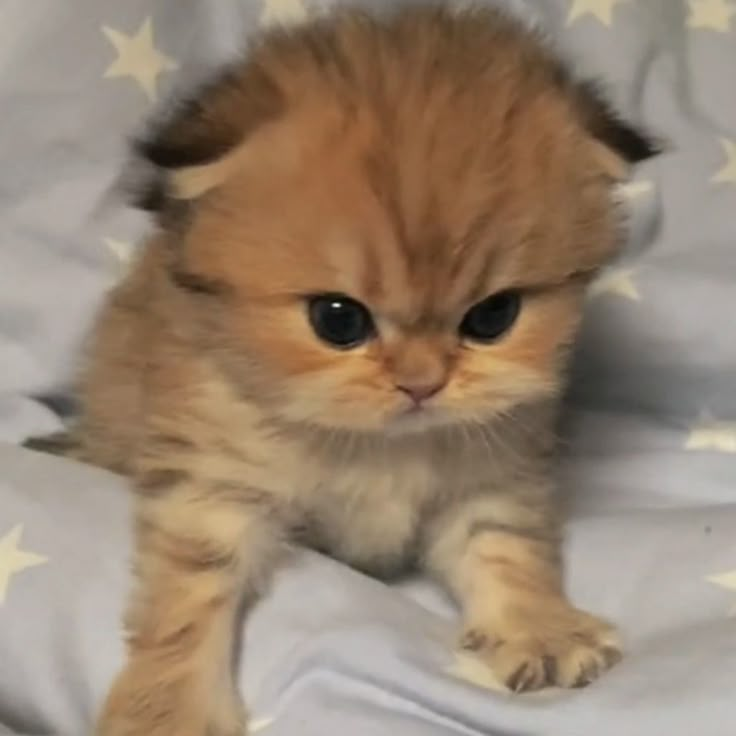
x=393, y=221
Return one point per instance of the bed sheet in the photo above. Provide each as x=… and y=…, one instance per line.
x=651, y=464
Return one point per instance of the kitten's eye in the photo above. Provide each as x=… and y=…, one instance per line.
x=340, y=321
x=489, y=319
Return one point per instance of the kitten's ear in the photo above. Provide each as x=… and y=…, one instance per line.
x=617, y=144
x=190, y=145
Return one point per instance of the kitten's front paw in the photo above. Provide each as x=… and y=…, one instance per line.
x=560, y=646
x=164, y=706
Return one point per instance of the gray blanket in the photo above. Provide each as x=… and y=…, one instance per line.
x=652, y=423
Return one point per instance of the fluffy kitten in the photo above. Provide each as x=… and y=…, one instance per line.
x=350, y=331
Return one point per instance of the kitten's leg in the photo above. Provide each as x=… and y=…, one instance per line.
x=500, y=556
x=200, y=549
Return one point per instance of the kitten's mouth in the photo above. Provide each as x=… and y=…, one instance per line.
x=414, y=417
x=414, y=409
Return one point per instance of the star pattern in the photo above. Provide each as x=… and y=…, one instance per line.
x=616, y=282
x=711, y=15
x=138, y=58
x=13, y=559
x=726, y=580
x=473, y=670
x=602, y=10
x=727, y=174
x=634, y=189
x=712, y=435
x=121, y=249
x=259, y=725
x=283, y=12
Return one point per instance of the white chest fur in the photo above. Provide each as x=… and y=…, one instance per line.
x=367, y=511
x=366, y=506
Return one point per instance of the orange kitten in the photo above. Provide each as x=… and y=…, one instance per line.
x=351, y=331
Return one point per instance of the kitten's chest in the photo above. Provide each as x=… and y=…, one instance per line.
x=368, y=509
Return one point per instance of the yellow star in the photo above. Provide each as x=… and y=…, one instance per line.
x=634, y=189
x=725, y=580
x=473, y=670
x=727, y=175
x=600, y=9
x=122, y=250
x=713, y=15
x=260, y=725
x=138, y=58
x=13, y=559
x=713, y=435
x=283, y=12
x=616, y=282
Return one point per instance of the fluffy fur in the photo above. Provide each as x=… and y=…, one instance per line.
x=417, y=163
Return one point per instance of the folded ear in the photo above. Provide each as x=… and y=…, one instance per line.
x=618, y=144
x=198, y=134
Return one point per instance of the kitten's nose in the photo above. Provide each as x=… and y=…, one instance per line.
x=419, y=392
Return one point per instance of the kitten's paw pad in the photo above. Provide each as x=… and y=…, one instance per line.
x=570, y=650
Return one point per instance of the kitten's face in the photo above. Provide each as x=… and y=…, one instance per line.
x=404, y=218
x=396, y=285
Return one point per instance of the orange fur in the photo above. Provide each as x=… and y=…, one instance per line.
x=418, y=165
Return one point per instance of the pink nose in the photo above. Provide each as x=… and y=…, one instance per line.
x=419, y=392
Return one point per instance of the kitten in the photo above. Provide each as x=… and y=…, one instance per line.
x=350, y=331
